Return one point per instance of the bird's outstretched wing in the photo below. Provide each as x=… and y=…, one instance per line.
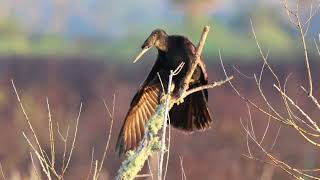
x=142, y=107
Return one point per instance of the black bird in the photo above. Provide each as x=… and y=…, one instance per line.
x=192, y=114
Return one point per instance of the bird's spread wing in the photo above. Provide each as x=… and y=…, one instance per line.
x=141, y=109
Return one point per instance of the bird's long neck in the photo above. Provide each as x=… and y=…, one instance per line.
x=163, y=44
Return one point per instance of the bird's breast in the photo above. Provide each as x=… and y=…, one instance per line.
x=173, y=60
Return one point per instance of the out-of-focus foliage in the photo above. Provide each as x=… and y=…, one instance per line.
x=213, y=154
x=117, y=28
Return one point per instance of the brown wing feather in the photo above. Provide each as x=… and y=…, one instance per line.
x=142, y=108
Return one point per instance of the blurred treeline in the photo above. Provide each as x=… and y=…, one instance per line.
x=213, y=154
x=117, y=28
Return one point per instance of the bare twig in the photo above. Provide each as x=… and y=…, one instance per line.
x=74, y=140
x=2, y=173
x=34, y=166
x=51, y=135
x=305, y=126
x=197, y=58
x=168, y=149
x=65, y=140
x=183, y=173
x=300, y=28
x=166, y=114
x=111, y=116
x=91, y=163
x=241, y=73
x=298, y=108
x=150, y=170
x=275, y=139
x=317, y=46
x=26, y=117
x=208, y=86
x=95, y=170
x=266, y=130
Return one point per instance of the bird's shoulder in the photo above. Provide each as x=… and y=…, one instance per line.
x=183, y=42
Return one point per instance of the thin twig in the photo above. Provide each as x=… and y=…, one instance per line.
x=298, y=108
x=168, y=149
x=265, y=62
x=95, y=170
x=315, y=101
x=196, y=59
x=247, y=138
x=34, y=166
x=241, y=73
x=91, y=163
x=208, y=86
x=26, y=117
x=65, y=140
x=166, y=114
x=275, y=139
x=2, y=173
x=51, y=135
x=149, y=167
x=111, y=116
x=315, y=42
x=285, y=167
x=74, y=140
x=266, y=130
x=183, y=173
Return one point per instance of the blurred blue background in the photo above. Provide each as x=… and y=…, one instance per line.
x=117, y=28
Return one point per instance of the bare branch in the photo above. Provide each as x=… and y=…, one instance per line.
x=74, y=140
x=26, y=116
x=34, y=166
x=168, y=149
x=197, y=58
x=315, y=42
x=166, y=114
x=298, y=108
x=183, y=173
x=111, y=116
x=91, y=163
x=208, y=86
x=51, y=135
x=2, y=173
x=275, y=139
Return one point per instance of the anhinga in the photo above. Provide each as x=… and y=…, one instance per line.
x=192, y=114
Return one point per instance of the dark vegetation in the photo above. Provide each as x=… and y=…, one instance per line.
x=214, y=154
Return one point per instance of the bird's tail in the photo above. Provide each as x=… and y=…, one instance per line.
x=192, y=114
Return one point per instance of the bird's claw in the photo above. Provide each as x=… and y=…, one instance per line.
x=177, y=96
x=164, y=98
x=180, y=101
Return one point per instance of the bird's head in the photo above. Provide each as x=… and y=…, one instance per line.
x=158, y=39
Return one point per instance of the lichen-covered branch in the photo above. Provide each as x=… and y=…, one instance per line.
x=150, y=143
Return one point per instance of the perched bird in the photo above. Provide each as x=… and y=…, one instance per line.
x=190, y=115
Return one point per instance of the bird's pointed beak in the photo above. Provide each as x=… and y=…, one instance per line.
x=144, y=50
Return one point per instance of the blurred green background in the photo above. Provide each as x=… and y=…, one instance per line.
x=116, y=29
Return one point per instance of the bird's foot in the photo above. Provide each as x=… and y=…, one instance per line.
x=180, y=101
x=177, y=96
x=164, y=98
